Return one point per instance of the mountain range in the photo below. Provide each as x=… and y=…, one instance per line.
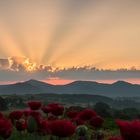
x=119, y=88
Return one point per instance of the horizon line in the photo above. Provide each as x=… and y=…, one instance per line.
x=110, y=82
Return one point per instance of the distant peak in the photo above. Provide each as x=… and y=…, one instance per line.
x=82, y=82
x=36, y=82
x=121, y=83
x=32, y=80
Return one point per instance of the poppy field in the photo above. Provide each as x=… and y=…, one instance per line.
x=55, y=122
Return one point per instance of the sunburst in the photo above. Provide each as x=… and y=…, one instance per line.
x=17, y=62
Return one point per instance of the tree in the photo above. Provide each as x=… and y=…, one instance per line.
x=103, y=109
x=3, y=104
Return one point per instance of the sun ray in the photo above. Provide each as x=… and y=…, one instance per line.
x=8, y=44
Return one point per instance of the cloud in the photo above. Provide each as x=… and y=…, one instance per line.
x=17, y=69
x=4, y=64
x=17, y=63
x=92, y=73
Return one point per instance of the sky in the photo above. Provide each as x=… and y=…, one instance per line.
x=47, y=39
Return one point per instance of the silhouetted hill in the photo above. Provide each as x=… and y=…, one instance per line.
x=119, y=88
x=37, y=83
x=121, y=83
x=19, y=88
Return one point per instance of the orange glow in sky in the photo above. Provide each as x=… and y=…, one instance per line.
x=66, y=33
x=58, y=81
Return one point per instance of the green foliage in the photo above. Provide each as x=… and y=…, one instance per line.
x=3, y=104
x=32, y=125
x=110, y=124
x=103, y=109
x=82, y=130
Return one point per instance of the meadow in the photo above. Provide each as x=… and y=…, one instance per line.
x=57, y=122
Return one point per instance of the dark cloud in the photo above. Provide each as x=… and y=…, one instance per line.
x=4, y=64
x=74, y=73
x=85, y=73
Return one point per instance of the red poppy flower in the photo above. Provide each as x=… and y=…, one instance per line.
x=72, y=114
x=44, y=128
x=87, y=114
x=16, y=115
x=78, y=121
x=56, y=109
x=96, y=121
x=46, y=109
x=129, y=130
x=62, y=128
x=21, y=125
x=34, y=105
x=5, y=128
x=27, y=113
